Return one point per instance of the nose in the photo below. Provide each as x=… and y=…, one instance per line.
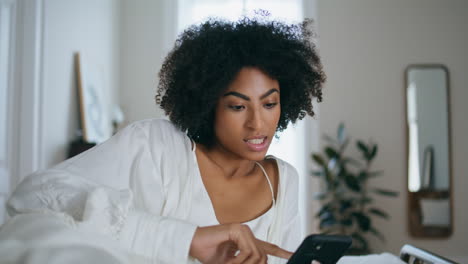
x=254, y=121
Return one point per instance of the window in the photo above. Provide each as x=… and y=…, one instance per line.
x=196, y=11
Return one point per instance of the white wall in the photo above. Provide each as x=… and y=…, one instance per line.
x=365, y=47
x=148, y=31
x=90, y=27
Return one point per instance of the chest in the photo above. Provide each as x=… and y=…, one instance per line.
x=239, y=200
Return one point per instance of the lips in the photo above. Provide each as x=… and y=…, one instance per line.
x=259, y=143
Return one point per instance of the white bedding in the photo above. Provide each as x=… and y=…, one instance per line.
x=53, y=238
x=383, y=258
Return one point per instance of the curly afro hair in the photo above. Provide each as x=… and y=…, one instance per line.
x=206, y=58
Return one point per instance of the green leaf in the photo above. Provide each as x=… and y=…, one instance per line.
x=361, y=241
x=373, y=152
x=327, y=231
x=363, y=221
x=320, y=195
x=344, y=145
x=352, y=183
x=352, y=161
x=341, y=172
x=317, y=215
x=347, y=222
x=331, y=153
x=377, y=234
x=362, y=176
x=329, y=179
x=362, y=147
x=386, y=192
x=341, y=133
x=345, y=205
x=319, y=159
x=327, y=215
x=378, y=212
x=327, y=222
x=317, y=173
x=366, y=200
x=326, y=209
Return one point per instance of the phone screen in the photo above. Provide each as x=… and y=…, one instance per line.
x=327, y=249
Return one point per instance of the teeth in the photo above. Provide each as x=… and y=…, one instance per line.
x=256, y=141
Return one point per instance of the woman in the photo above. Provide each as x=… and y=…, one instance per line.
x=199, y=187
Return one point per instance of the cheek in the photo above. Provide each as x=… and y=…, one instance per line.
x=276, y=116
x=226, y=123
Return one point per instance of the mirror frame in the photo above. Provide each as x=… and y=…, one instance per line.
x=415, y=227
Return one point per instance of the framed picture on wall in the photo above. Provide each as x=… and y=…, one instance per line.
x=95, y=121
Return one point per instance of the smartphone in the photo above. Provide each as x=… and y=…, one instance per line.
x=327, y=249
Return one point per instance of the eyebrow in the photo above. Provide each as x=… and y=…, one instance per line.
x=245, y=97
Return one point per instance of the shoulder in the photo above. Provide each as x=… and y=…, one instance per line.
x=159, y=135
x=287, y=174
x=160, y=124
x=157, y=128
x=285, y=169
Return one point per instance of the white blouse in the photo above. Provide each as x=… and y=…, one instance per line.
x=203, y=213
x=143, y=188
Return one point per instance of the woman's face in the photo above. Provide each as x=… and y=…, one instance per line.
x=247, y=115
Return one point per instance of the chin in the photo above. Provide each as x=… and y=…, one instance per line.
x=256, y=156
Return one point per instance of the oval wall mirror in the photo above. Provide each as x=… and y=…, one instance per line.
x=428, y=145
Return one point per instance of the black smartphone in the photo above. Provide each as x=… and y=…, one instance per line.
x=327, y=249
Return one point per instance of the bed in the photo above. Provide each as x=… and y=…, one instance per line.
x=55, y=238
x=413, y=255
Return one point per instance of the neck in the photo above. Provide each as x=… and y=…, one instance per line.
x=231, y=165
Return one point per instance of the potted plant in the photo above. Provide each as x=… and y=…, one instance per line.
x=347, y=203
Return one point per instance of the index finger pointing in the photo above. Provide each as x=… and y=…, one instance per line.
x=274, y=250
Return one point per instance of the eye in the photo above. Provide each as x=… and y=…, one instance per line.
x=237, y=107
x=270, y=105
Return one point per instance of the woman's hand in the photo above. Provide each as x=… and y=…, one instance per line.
x=220, y=243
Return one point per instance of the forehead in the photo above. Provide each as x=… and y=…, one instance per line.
x=252, y=80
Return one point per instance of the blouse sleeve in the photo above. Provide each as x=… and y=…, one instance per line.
x=95, y=188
